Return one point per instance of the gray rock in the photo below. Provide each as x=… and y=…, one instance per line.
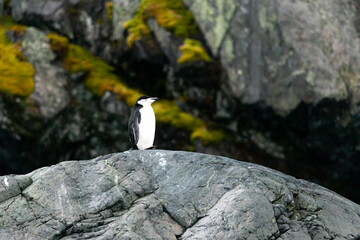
x=123, y=10
x=1, y=8
x=110, y=103
x=51, y=12
x=91, y=30
x=170, y=195
x=168, y=42
x=218, y=15
x=282, y=53
x=50, y=79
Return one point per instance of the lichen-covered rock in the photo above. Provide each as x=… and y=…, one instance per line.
x=50, y=92
x=281, y=53
x=59, y=113
x=168, y=42
x=170, y=195
x=123, y=11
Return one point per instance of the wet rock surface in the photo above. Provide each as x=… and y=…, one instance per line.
x=170, y=195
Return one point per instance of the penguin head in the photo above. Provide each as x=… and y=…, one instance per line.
x=146, y=100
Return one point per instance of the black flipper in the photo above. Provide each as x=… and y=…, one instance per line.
x=133, y=127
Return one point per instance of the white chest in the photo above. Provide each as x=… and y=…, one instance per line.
x=146, y=128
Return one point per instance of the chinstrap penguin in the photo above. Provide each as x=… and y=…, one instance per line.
x=142, y=124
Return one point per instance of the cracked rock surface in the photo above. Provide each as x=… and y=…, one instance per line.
x=161, y=194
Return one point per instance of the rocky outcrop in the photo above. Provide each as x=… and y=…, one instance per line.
x=170, y=195
x=283, y=53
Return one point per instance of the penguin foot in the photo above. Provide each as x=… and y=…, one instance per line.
x=150, y=148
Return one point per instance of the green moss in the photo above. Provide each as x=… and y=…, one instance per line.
x=73, y=11
x=170, y=14
x=16, y=76
x=59, y=44
x=192, y=51
x=310, y=78
x=99, y=21
x=100, y=76
x=109, y=10
x=208, y=136
x=169, y=113
x=6, y=23
x=267, y=21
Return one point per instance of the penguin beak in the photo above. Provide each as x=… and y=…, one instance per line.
x=154, y=99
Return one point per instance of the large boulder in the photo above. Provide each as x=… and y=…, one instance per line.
x=170, y=195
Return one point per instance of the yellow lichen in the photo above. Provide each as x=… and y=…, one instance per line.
x=170, y=14
x=16, y=76
x=59, y=44
x=19, y=29
x=109, y=10
x=136, y=29
x=168, y=112
x=192, y=51
x=208, y=136
x=100, y=76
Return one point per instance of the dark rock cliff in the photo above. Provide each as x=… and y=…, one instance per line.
x=170, y=195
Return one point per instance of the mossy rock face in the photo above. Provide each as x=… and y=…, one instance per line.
x=101, y=78
x=123, y=11
x=109, y=10
x=51, y=88
x=193, y=51
x=59, y=44
x=168, y=112
x=171, y=15
x=16, y=73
